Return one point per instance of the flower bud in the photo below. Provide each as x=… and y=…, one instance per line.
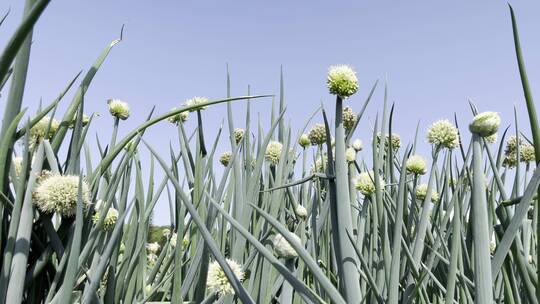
x=485, y=124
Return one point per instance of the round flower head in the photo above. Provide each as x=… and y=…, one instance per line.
x=118, y=108
x=43, y=129
x=301, y=211
x=342, y=81
x=512, y=144
x=59, y=193
x=443, y=134
x=349, y=118
x=217, y=280
x=304, y=141
x=491, y=139
x=526, y=153
x=238, y=134
x=283, y=248
x=357, y=145
x=485, y=124
x=196, y=101
x=365, y=182
x=317, y=135
x=180, y=117
x=17, y=164
x=350, y=155
x=152, y=247
x=110, y=218
x=421, y=193
x=84, y=122
x=273, y=152
x=225, y=158
x=416, y=164
x=394, y=139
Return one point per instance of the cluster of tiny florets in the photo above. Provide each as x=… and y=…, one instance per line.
x=283, y=248
x=350, y=155
x=357, y=145
x=43, y=129
x=110, y=218
x=273, y=152
x=180, y=117
x=225, y=158
x=317, y=135
x=443, y=134
x=118, y=109
x=365, y=182
x=342, y=81
x=421, y=193
x=218, y=282
x=238, y=134
x=393, y=139
x=57, y=193
x=349, y=118
x=195, y=101
x=416, y=164
x=526, y=153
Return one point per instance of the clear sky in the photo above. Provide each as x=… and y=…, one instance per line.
x=434, y=54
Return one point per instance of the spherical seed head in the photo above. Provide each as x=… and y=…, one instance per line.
x=59, y=193
x=349, y=118
x=304, y=141
x=283, y=248
x=238, y=134
x=443, y=134
x=180, y=117
x=273, y=152
x=301, y=211
x=365, y=182
x=196, y=101
x=152, y=247
x=225, y=158
x=526, y=153
x=218, y=282
x=17, y=164
x=421, y=193
x=39, y=130
x=118, y=109
x=492, y=138
x=485, y=124
x=350, y=155
x=317, y=135
x=357, y=145
x=342, y=81
x=416, y=164
x=110, y=218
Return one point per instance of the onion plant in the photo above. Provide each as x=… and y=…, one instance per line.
x=283, y=216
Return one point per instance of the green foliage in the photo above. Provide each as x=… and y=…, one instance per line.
x=277, y=222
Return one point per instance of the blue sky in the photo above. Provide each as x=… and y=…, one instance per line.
x=434, y=55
